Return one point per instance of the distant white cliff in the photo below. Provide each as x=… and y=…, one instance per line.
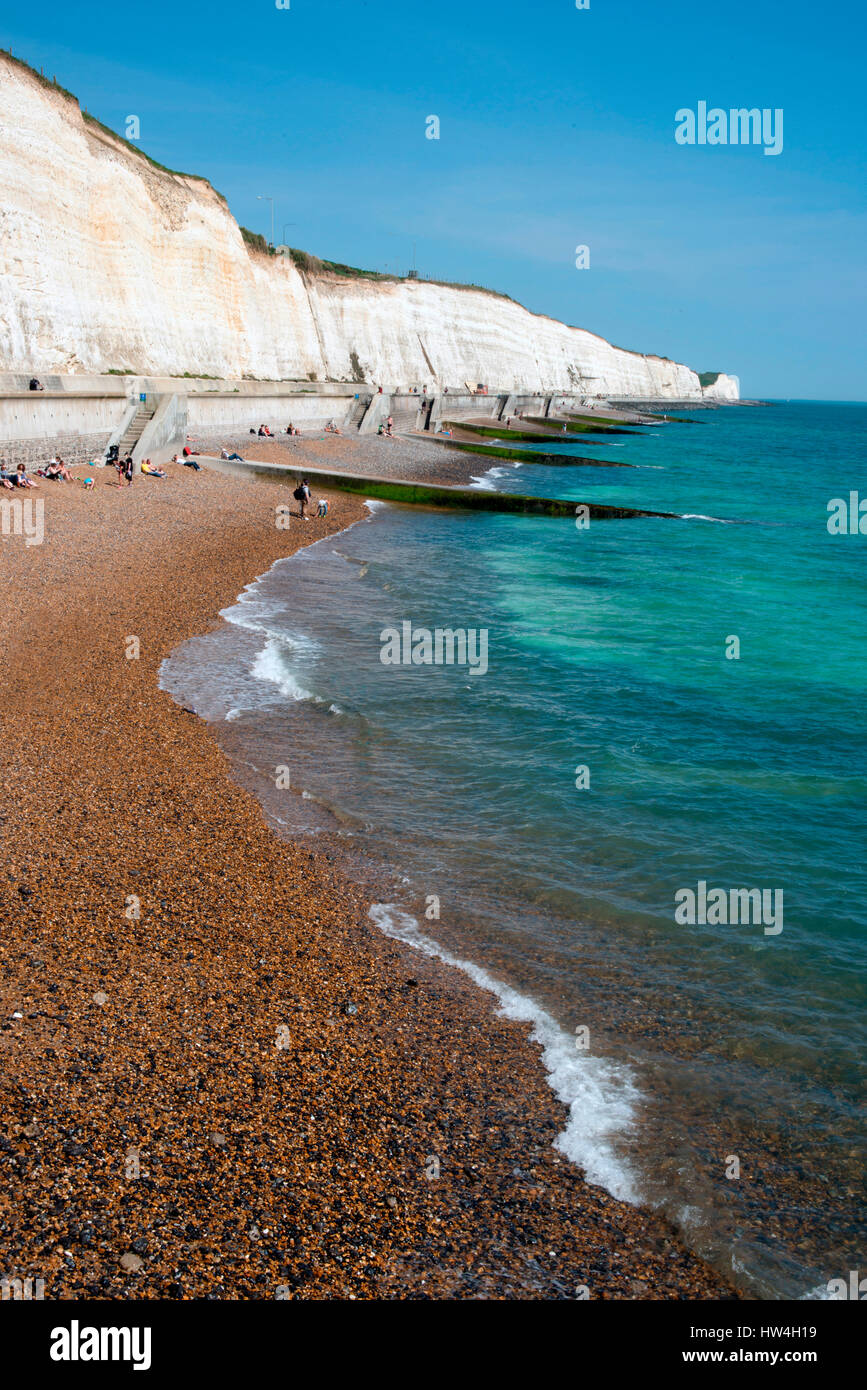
x=109, y=263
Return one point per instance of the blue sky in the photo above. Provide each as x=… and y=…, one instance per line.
x=556, y=129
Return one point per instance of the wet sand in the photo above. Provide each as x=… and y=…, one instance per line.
x=219, y=1080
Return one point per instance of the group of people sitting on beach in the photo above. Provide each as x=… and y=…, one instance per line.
x=264, y=433
x=331, y=428
x=56, y=471
x=18, y=478
x=387, y=429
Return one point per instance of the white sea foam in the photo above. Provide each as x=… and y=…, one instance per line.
x=270, y=666
x=601, y=1096
x=486, y=481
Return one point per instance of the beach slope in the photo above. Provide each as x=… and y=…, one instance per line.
x=218, y=1078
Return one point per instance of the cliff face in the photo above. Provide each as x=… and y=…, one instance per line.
x=107, y=262
x=725, y=388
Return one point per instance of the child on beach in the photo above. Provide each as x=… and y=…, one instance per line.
x=323, y=507
x=21, y=477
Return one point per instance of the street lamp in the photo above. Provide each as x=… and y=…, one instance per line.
x=268, y=199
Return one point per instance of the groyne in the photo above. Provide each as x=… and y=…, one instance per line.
x=428, y=494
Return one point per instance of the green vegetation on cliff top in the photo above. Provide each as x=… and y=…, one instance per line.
x=52, y=85
x=316, y=265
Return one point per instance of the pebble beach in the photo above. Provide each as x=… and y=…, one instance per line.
x=219, y=1079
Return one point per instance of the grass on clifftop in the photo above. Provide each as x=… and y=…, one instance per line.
x=255, y=240
x=136, y=149
x=52, y=85
x=315, y=265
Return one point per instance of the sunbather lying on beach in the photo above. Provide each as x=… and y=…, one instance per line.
x=224, y=454
x=150, y=471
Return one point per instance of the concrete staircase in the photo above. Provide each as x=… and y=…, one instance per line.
x=135, y=429
x=405, y=410
x=359, y=410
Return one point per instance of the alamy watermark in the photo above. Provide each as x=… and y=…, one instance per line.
x=77, y=1343
x=847, y=518
x=25, y=519
x=440, y=646
x=24, y=1290
x=738, y=126
x=855, y=1288
x=719, y=907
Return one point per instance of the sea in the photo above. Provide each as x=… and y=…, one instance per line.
x=669, y=714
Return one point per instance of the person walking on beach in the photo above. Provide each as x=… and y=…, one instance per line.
x=389, y=425
x=302, y=494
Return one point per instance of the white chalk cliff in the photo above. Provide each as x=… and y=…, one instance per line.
x=107, y=262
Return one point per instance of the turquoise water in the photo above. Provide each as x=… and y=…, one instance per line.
x=733, y=1070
